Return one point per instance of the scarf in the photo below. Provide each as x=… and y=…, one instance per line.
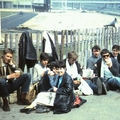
x=72, y=69
x=102, y=69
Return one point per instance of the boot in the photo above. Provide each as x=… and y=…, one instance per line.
x=5, y=104
x=22, y=101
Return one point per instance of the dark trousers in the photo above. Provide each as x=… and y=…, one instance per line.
x=23, y=81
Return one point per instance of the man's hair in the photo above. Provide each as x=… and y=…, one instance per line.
x=44, y=56
x=72, y=55
x=8, y=50
x=60, y=64
x=51, y=65
x=96, y=47
x=117, y=47
x=104, y=51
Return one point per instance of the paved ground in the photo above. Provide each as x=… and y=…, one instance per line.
x=103, y=107
x=16, y=20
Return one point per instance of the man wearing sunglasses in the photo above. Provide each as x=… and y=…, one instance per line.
x=108, y=68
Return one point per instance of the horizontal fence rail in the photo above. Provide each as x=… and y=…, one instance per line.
x=79, y=40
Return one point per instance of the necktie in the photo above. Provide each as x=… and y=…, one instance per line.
x=59, y=82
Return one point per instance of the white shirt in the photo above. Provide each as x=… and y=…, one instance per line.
x=39, y=69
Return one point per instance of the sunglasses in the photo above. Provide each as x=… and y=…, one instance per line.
x=105, y=56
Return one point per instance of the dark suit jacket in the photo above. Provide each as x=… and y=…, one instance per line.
x=118, y=57
x=114, y=69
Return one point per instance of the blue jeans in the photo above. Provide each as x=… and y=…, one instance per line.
x=92, y=85
x=114, y=82
x=23, y=81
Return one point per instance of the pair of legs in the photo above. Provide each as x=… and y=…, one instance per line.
x=93, y=86
x=8, y=87
x=42, y=103
x=98, y=85
x=114, y=83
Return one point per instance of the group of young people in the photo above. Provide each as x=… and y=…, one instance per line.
x=60, y=77
x=106, y=66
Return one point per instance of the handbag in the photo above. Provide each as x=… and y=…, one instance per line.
x=31, y=95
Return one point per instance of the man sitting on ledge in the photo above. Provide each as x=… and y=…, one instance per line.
x=12, y=78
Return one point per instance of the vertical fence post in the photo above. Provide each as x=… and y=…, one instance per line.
x=16, y=49
x=41, y=39
x=103, y=37
x=67, y=44
x=62, y=44
x=56, y=42
x=6, y=41
x=74, y=41
x=115, y=33
x=71, y=42
x=11, y=40
x=78, y=42
x=37, y=44
x=118, y=35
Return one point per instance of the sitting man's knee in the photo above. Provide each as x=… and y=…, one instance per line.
x=27, y=75
x=2, y=81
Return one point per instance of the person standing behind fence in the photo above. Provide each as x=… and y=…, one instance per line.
x=10, y=80
x=93, y=59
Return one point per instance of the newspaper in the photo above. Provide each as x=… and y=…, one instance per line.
x=87, y=73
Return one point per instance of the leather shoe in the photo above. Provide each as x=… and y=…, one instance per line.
x=99, y=85
x=104, y=88
x=6, y=107
x=42, y=109
x=26, y=110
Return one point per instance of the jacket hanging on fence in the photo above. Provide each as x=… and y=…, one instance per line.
x=27, y=52
x=49, y=47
